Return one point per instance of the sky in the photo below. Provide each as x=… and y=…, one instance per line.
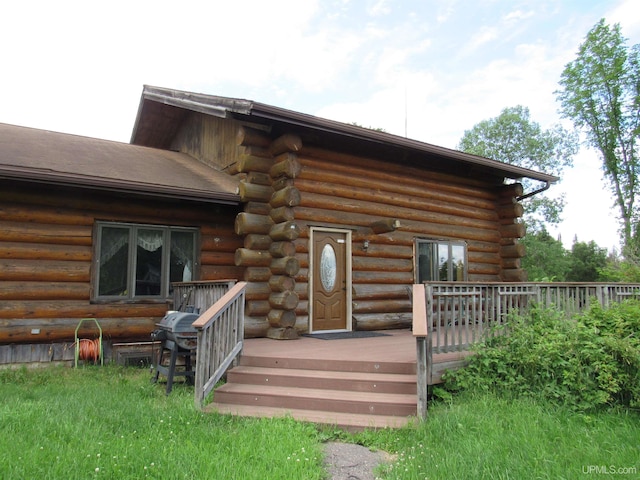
x=425, y=69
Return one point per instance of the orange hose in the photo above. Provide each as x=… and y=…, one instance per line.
x=89, y=349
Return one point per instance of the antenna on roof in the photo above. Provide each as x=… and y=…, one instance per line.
x=405, y=111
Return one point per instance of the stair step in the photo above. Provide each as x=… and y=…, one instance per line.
x=339, y=365
x=317, y=399
x=341, y=383
x=347, y=421
x=321, y=379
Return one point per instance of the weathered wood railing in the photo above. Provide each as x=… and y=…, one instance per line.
x=452, y=316
x=220, y=340
x=199, y=295
x=458, y=313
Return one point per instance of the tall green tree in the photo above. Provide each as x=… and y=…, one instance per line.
x=587, y=262
x=546, y=258
x=620, y=269
x=601, y=95
x=512, y=137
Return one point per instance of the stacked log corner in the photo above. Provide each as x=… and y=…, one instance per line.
x=269, y=230
x=511, y=230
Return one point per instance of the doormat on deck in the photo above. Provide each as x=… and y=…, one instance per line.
x=343, y=335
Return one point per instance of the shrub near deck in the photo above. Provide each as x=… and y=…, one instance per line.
x=587, y=363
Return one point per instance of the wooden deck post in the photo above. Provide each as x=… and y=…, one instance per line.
x=423, y=348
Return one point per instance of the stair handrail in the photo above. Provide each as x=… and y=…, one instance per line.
x=220, y=340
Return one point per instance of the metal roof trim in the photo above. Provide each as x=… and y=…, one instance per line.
x=302, y=119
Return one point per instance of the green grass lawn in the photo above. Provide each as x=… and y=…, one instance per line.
x=63, y=423
x=485, y=437
x=110, y=422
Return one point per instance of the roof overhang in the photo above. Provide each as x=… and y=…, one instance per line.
x=116, y=186
x=356, y=138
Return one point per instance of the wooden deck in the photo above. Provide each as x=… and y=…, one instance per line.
x=393, y=346
x=372, y=382
x=352, y=383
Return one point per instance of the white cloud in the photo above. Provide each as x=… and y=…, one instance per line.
x=480, y=38
x=626, y=14
x=517, y=15
x=332, y=55
x=84, y=64
x=444, y=10
x=379, y=8
x=589, y=213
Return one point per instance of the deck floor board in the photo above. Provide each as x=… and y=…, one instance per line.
x=397, y=346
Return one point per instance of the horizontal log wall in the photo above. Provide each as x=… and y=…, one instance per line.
x=46, y=251
x=289, y=187
x=344, y=191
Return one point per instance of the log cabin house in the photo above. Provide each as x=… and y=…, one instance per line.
x=329, y=223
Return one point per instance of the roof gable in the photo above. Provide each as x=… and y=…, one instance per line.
x=160, y=107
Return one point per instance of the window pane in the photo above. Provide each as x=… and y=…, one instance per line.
x=457, y=260
x=440, y=261
x=425, y=262
x=114, y=260
x=328, y=268
x=149, y=243
x=182, y=257
x=443, y=262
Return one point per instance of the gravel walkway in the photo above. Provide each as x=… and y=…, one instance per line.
x=347, y=461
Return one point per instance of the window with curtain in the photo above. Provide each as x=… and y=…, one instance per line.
x=142, y=260
x=440, y=260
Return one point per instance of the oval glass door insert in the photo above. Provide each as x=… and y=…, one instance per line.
x=328, y=268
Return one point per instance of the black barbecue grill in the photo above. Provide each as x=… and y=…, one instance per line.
x=179, y=339
x=176, y=326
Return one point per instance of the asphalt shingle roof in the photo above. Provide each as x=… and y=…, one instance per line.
x=51, y=157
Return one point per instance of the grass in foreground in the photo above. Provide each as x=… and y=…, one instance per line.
x=484, y=437
x=61, y=423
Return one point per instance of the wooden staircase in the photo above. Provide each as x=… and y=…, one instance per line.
x=350, y=394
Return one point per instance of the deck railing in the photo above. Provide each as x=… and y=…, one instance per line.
x=220, y=340
x=452, y=316
x=200, y=295
x=458, y=313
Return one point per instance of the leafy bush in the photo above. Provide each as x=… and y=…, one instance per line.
x=589, y=362
x=621, y=269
